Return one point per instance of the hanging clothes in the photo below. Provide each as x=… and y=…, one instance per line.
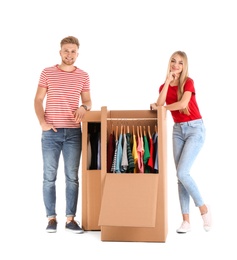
x=134, y=153
x=118, y=168
x=140, y=152
x=131, y=164
x=115, y=157
x=155, y=145
x=146, y=155
x=110, y=151
x=99, y=154
x=113, y=167
x=94, y=134
x=88, y=152
x=150, y=160
x=124, y=163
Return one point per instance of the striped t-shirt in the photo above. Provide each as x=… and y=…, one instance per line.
x=63, y=94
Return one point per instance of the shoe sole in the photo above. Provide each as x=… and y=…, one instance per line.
x=74, y=231
x=183, y=232
x=51, y=231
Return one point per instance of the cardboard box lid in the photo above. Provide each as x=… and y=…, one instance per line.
x=129, y=200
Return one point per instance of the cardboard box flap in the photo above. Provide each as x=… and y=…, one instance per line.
x=129, y=200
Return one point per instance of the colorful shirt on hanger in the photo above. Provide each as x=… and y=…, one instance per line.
x=131, y=165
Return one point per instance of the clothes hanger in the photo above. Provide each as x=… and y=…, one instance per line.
x=128, y=129
x=144, y=131
x=149, y=131
x=138, y=132
x=140, y=127
x=121, y=129
x=112, y=129
x=116, y=135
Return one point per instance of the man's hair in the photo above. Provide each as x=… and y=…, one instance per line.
x=70, y=39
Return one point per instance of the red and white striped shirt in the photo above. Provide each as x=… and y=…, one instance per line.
x=63, y=94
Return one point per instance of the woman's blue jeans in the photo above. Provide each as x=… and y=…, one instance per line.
x=188, y=139
x=67, y=141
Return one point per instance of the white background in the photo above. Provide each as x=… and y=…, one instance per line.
x=125, y=47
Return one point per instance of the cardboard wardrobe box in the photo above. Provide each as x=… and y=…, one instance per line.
x=133, y=206
x=91, y=178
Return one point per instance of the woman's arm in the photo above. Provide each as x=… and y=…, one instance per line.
x=162, y=96
x=181, y=104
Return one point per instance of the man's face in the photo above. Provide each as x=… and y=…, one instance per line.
x=69, y=53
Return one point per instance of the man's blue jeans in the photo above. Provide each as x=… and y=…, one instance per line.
x=67, y=141
x=188, y=139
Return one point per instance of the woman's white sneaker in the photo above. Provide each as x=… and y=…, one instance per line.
x=207, y=219
x=184, y=228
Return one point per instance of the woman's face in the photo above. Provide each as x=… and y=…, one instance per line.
x=176, y=64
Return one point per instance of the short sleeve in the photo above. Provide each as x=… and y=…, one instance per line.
x=189, y=85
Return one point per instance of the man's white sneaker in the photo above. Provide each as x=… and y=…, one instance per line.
x=207, y=219
x=184, y=228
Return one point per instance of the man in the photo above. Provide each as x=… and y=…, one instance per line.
x=68, y=98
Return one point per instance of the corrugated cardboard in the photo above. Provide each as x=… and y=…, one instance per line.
x=129, y=200
x=144, y=221
x=125, y=207
x=91, y=180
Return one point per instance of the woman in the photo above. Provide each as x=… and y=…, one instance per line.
x=179, y=96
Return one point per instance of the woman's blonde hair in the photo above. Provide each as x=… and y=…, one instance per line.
x=183, y=77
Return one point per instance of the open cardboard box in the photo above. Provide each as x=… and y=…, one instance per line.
x=134, y=206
